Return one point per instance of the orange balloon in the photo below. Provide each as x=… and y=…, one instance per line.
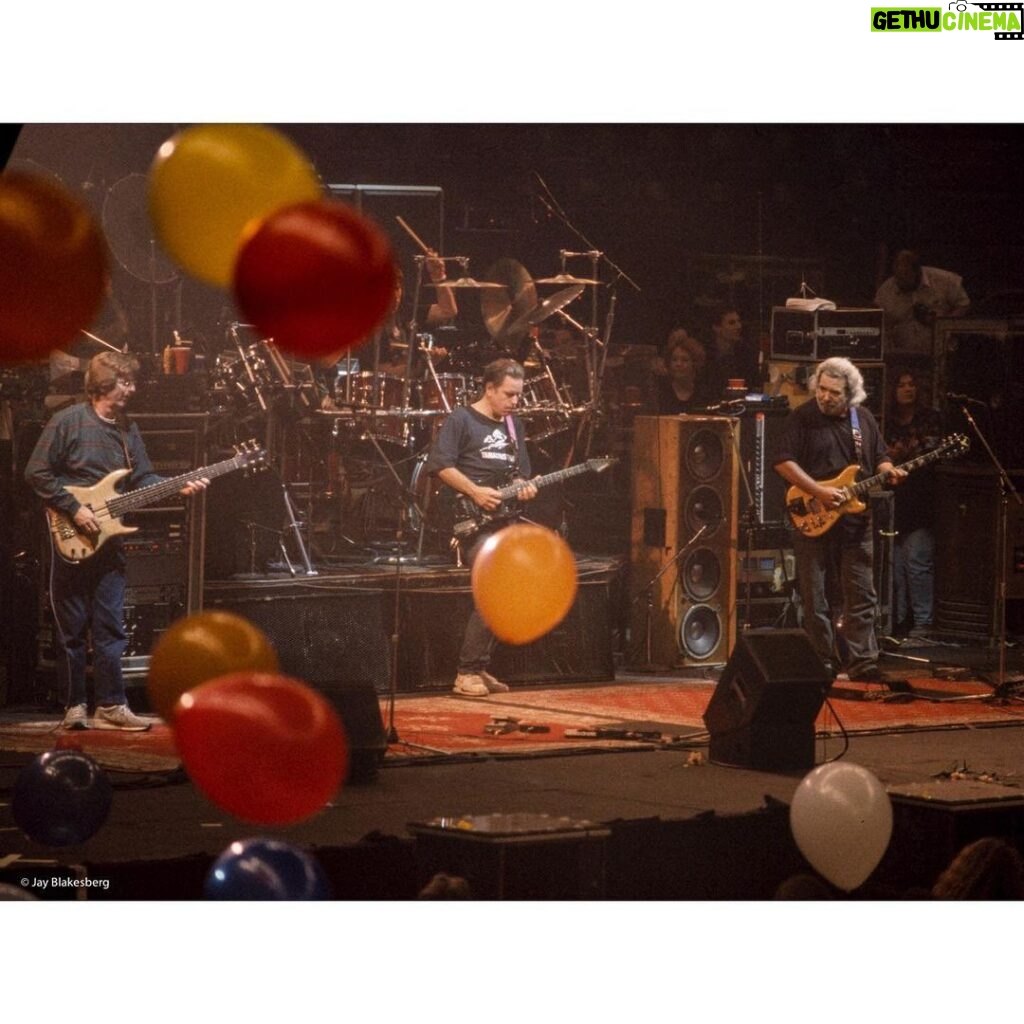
x=201, y=647
x=524, y=582
x=53, y=267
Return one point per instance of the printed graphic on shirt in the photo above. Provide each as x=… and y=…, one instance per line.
x=496, y=447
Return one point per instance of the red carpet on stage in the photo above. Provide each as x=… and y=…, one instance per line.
x=536, y=720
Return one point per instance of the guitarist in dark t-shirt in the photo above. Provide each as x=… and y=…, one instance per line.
x=479, y=449
x=822, y=437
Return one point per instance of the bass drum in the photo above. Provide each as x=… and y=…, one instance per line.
x=436, y=501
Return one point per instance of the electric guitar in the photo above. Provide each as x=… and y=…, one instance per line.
x=812, y=519
x=470, y=519
x=108, y=505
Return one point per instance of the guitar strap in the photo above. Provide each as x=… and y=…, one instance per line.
x=858, y=437
x=511, y=428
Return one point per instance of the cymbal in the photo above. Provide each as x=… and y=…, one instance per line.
x=464, y=282
x=552, y=304
x=566, y=279
x=518, y=296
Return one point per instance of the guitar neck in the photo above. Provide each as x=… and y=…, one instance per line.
x=863, y=486
x=125, y=503
x=542, y=481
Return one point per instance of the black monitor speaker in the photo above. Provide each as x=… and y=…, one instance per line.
x=762, y=712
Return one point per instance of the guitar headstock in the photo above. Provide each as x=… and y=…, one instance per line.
x=953, y=446
x=251, y=456
x=600, y=465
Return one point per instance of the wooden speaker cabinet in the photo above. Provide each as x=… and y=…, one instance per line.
x=684, y=526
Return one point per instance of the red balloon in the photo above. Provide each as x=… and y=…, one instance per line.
x=316, y=277
x=53, y=267
x=266, y=748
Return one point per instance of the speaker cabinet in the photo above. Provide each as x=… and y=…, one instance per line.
x=968, y=565
x=683, y=539
x=336, y=643
x=762, y=712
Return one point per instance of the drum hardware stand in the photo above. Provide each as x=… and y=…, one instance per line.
x=253, y=527
x=1002, y=688
x=293, y=525
x=257, y=390
x=648, y=593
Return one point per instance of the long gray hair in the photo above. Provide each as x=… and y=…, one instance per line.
x=842, y=368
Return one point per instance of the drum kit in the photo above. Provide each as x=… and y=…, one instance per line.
x=359, y=416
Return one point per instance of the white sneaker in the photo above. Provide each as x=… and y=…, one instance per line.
x=470, y=685
x=119, y=716
x=493, y=685
x=76, y=717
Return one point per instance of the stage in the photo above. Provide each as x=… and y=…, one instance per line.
x=605, y=788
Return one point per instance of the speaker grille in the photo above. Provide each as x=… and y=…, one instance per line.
x=700, y=632
x=702, y=574
x=704, y=455
x=703, y=508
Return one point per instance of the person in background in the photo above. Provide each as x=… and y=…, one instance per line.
x=680, y=388
x=913, y=298
x=911, y=429
x=730, y=355
x=987, y=869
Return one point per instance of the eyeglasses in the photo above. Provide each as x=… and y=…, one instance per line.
x=128, y=385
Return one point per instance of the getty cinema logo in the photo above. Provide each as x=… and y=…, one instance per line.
x=960, y=16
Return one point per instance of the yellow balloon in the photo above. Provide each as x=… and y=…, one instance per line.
x=524, y=582
x=209, y=182
x=201, y=647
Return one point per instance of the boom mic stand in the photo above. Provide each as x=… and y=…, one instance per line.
x=1006, y=488
x=406, y=498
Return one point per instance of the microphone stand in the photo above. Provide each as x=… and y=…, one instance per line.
x=648, y=592
x=1006, y=488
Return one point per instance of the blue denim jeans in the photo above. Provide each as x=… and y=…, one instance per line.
x=914, y=570
x=835, y=566
x=90, y=596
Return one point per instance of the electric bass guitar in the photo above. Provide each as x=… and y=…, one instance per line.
x=109, y=506
x=813, y=519
x=470, y=519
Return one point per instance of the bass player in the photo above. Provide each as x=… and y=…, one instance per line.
x=479, y=449
x=81, y=444
x=820, y=439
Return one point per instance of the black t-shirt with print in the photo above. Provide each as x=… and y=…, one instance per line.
x=481, y=448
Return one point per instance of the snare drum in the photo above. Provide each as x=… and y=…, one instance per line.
x=380, y=394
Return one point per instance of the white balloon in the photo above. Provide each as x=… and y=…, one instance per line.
x=841, y=819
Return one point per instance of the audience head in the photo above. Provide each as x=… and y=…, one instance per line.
x=988, y=869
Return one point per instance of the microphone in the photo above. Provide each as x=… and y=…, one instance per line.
x=733, y=405
x=956, y=397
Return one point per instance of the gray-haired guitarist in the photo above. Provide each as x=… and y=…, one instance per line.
x=821, y=439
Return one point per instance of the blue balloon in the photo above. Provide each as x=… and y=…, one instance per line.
x=61, y=798
x=265, y=869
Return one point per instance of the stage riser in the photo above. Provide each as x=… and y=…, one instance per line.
x=343, y=637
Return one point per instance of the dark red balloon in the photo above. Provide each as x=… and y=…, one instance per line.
x=316, y=277
x=264, y=747
x=53, y=267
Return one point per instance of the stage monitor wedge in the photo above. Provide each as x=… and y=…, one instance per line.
x=762, y=713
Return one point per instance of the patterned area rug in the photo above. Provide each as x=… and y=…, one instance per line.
x=564, y=719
